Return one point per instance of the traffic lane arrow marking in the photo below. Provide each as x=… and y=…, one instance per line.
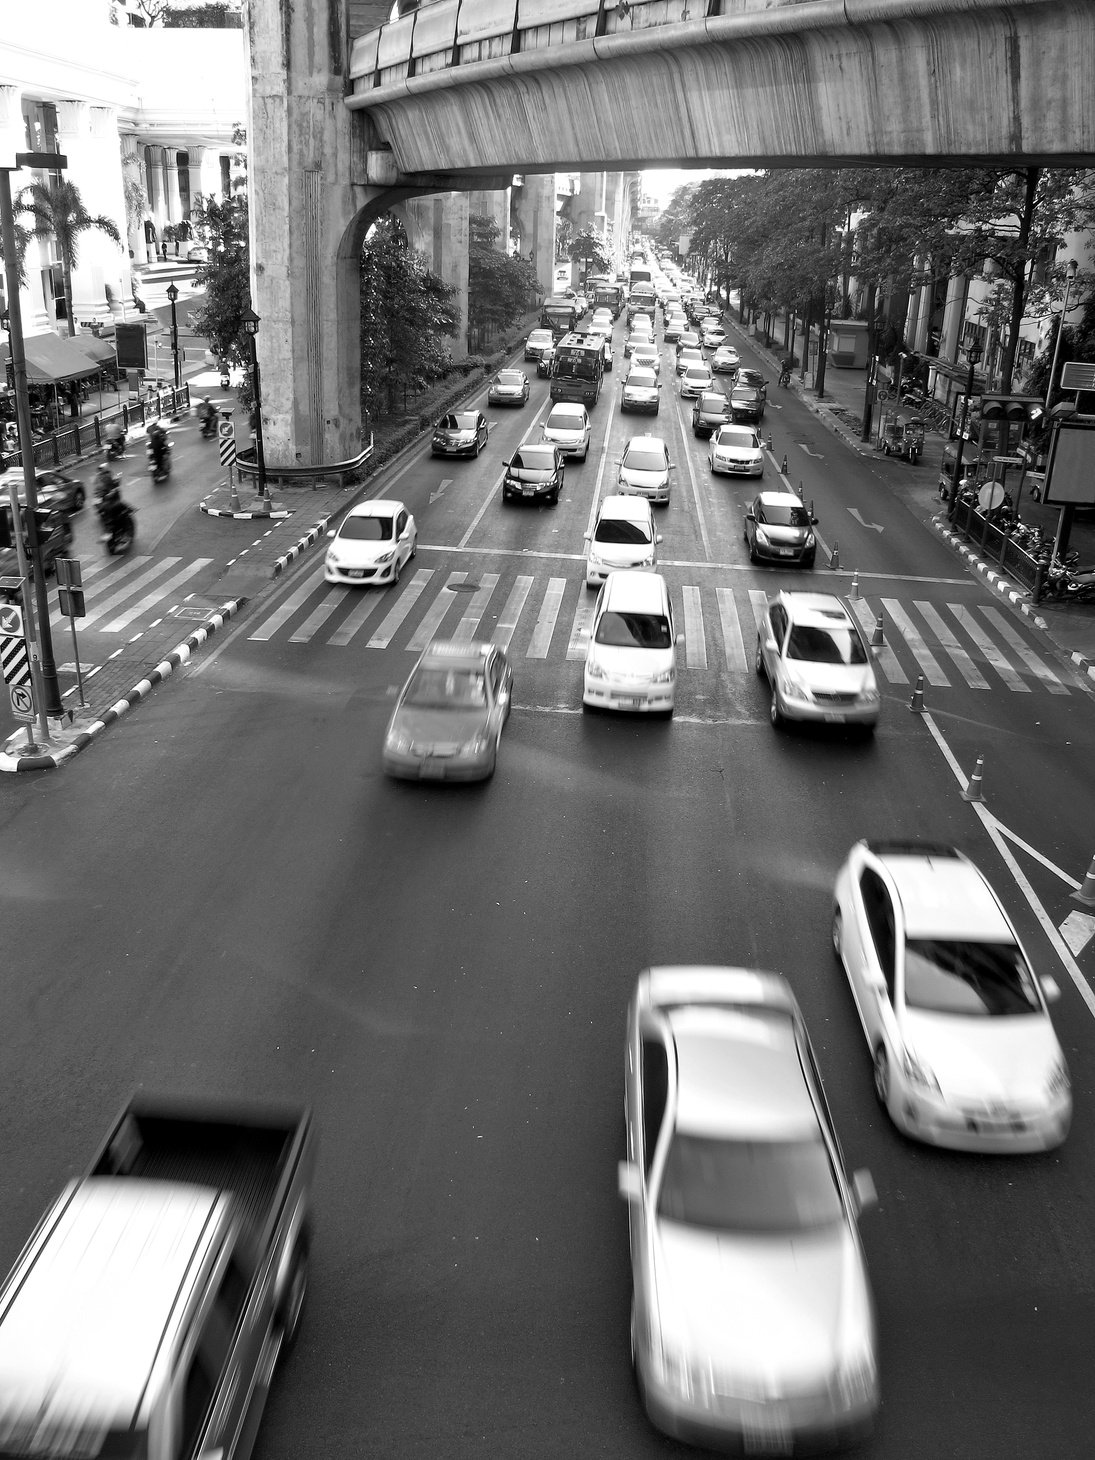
x=817, y=455
x=874, y=526
x=446, y=482
x=1077, y=931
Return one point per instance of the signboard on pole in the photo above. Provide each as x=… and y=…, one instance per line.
x=1077, y=375
x=1070, y=471
x=22, y=702
x=131, y=343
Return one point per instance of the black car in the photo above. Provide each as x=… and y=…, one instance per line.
x=711, y=411
x=746, y=403
x=54, y=538
x=460, y=433
x=54, y=489
x=543, y=365
x=753, y=378
x=534, y=471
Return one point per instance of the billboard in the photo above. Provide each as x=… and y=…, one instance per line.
x=132, y=346
x=1070, y=470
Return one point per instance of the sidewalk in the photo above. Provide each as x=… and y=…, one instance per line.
x=1069, y=626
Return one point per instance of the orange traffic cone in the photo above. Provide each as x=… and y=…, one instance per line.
x=834, y=558
x=1086, y=895
x=855, y=585
x=877, y=638
x=973, y=789
x=916, y=703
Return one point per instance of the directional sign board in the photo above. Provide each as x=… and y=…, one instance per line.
x=1077, y=375
x=11, y=620
x=22, y=701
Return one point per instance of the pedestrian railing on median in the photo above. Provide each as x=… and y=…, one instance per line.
x=84, y=436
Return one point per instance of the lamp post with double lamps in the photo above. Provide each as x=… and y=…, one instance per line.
x=1070, y=277
x=973, y=357
x=172, y=297
x=251, y=323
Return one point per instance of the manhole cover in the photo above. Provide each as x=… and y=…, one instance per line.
x=463, y=587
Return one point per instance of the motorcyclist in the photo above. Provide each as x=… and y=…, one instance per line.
x=157, y=446
x=107, y=484
x=207, y=414
x=115, y=437
x=785, y=371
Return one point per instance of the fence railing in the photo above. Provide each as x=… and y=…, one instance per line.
x=83, y=436
x=997, y=544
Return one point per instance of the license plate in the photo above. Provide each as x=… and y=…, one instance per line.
x=356, y=573
x=767, y=1434
x=527, y=491
x=785, y=552
x=834, y=716
x=631, y=702
x=432, y=771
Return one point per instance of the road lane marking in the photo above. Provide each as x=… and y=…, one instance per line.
x=269, y=627
x=732, y=640
x=992, y=654
x=950, y=645
x=1040, y=670
x=695, y=647
x=933, y=673
x=469, y=624
x=548, y=616
x=435, y=614
x=883, y=654
x=383, y=636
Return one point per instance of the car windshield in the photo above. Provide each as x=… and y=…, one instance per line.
x=616, y=529
x=461, y=422
x=776, y=514
x=510, y=377
x=820, y=644
x=565, y=421
x=531, y=459
x=634, y=631
x=715, y=404
x=367, y=529
x=642, y=458
x=749, y=1186
x=446, y=689
x=951, y=977
x=644, y=378
x=744, y=440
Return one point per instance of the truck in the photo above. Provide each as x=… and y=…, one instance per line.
x=641, y=300
x=607, y=295
x=559, y=315
x=145, y=1316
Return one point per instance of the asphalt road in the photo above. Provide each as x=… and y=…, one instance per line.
x=225, y=895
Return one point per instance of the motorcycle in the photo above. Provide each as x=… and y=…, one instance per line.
x=115, y=447
x=159, y=461
x=785, y=376
x=209, y=427
x=118, y=520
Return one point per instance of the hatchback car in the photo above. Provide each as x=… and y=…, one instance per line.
x=696, y=380
x=623, y=537
x=537, y=342
x=371, y=545
x=568, y=428
x=712, y=334
x=689, y=340
x=689, y=357
x=817, y=662
x=675, y=326
x=725, y=360
x=534, y=472
x=953, y=1012
x=641, y=391
x=450, y=714
x=711, y=411
x=460, y=433
x=779, y=529
x=752, y=1319
x=645, y=468
x=508, y=388
x=631, y=658
x=736, y=451
x=746, y=403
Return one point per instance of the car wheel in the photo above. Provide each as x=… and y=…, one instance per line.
x=774, y=713
x=882, y=1077
x=553, y=500
x=293, y=1302
x=584, y=454
x=396, y=570
x=475, y=453
x=837, y=934
x=414, y=547
x=808, y=562
x=758, y=662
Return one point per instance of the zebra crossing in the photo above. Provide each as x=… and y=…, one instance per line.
x=117, y=600
x=550, y=618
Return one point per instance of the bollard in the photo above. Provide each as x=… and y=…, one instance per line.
x=877, y=638
x=783, y=467
x=973, y=787
x=834, y=558
x=771, y=443
x=1086, y=895
x=916, y=703
x=855, y=584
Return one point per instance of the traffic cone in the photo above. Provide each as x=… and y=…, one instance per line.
x=855, y=584
x=1086, y=895
x=916, y=703
x=834, y=558
x=877, y=638
x=783, y=467
x=973, y=789
x=771, y=443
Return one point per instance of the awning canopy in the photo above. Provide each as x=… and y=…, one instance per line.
x=101, y=350
x=52, y=359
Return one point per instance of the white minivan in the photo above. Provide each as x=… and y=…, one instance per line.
x=644, y=469
x=624, y=537
x=631, y=659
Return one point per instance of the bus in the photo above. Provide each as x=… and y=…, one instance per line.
x=608, y=295
x=578, y=368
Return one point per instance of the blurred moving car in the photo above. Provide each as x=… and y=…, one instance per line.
x=623, y=537
x=450, y=714
x=645, y=468
x=460, y=433
x=537, y=342
x=535, y=472
x=817, y=661
x=725, y=360
x=54, y=489
x=736, y=451
x=711, y=411
x=695, y=380
x=508, y=388
x=568, y=428
x=371, y=544
x=641, y=391
x=631, y=657
x=752, y=1320
x=779, y=529
x=954, y=1015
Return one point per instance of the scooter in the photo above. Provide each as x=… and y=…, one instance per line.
x=159, y=462
x=119, y=521
x=785, y=376
x=209, y=427
x=115, y=447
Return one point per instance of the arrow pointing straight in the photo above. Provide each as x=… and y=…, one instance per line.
x=874, y=526
x=445, y=483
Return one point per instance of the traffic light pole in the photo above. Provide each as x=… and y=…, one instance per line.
x=40, y=648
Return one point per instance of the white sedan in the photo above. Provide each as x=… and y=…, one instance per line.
x=696, y=381
x=373, y=542
x=568, y=428
x=725, y=360
x=736, y=451
x=955, y=1017
x=712, y=334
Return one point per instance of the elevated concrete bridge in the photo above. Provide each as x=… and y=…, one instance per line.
x=350, y=116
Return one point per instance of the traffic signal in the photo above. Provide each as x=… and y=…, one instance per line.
x=1015, y=409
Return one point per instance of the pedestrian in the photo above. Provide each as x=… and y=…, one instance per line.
x=163, y=249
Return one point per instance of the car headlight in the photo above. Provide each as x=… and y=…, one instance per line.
x=868, y=695
x=386, y=557
x=476, y=745
x=594, y=669
x=332, y=558
x=760, y=534
x=673, y=1370
x=1059, y=1082
x=856, y=1381
x=918, y=1073
x=809, y=542
x=790, y=689
x=398, y=741
x=666, y=676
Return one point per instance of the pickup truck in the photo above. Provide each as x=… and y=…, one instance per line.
x=146, y=1314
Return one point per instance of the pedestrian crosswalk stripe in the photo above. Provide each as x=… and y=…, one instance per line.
x=134, y=585
x=992, y=654
x=929, y=664
x=947, y=641
x=884, y=656
x=732, y=641
x=288, y=608
x=318, y=617
x=434, y=616
x=468, y=626
x=540, y=642
x=1040, y=670
x=511, y=614
x=695, y=646
x=150, y=600
x=582, y=627
x=758, y=602
x=403, y=605
x=366, y=605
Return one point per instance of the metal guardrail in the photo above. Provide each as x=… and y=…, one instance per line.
x=83, y=436
x=337, y=473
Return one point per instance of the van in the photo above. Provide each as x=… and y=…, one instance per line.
x=644, y=469
x=624, y=537
x=631, y=658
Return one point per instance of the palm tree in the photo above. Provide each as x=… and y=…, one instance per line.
x=58, y=212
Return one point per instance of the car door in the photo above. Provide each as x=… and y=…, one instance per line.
x=874, y=983
x=772, y=634
x=402, y=538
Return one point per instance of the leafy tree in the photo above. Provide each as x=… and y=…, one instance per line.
x=589, y=247
x=406, y=310
x=221, y=224
x=22, y=238
x=216, y=15
x=59, y=213
x=498, y=284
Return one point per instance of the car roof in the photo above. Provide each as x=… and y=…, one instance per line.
x=566, y=408
x=712, y=398
x=778, y=499
x=627, y=508
x=456, y=653
x=945, y=896
x=378, y=507
x=629, y=590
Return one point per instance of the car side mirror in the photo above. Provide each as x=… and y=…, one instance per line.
x=770, y=646
x=679, y=639
x=1051, y=989
x=629, y=1182
x=331, y=533
x=866, y=1193
x=750, y=516
x=588, y=536
x=658, y=537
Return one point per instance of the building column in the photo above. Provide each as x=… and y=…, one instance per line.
x=198, y=186
x=171, y=187
x=953, y=314
x=88, y=135
x=159, y=197
x=538, y=226
x=133, y=172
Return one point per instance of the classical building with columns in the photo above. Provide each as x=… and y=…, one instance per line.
x=146, y=112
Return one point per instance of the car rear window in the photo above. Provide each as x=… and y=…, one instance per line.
x=634, y=631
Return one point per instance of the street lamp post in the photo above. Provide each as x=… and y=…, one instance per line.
x=173, y=295
x=35, y=598
x=1070, y=275
x=251, y=325
x=973, y=356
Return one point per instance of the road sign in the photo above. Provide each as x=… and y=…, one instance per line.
x=15, y=661
x=1077, y=375
x=990, y=496
x=11, y=619
x=883, y=396
x=68, y=572
x=22, y=701
x=1009, y=460
x=71, y=602
x=225, y=429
